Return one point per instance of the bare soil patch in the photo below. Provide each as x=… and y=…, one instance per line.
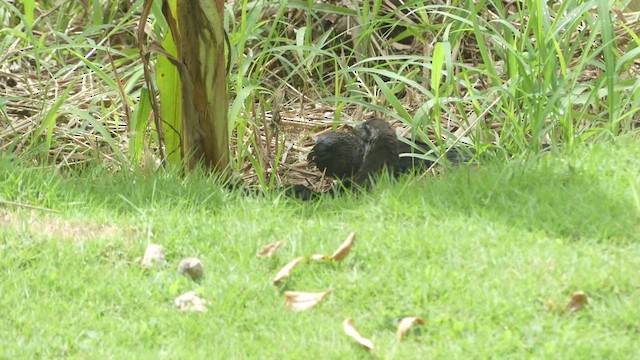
x=53, y=226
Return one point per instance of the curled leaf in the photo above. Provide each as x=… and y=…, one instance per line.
x=269, y=250
x=319, y=257
x=299, y=301
x=577, y=302
x=405, y=325
x=350, y=330
x=191, y=302
x=285, y=272
x=345, y=248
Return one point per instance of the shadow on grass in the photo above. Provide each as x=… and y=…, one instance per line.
x=571, y=199
x=117, y=192
x=588, y=196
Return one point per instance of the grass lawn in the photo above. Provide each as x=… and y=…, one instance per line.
x=477, y=253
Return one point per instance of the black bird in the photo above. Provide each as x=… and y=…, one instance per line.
x=372, y=148
x=380, y=149
x=337, y=154
x=341, y=155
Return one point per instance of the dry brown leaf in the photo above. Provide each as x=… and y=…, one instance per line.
x=405, y=325
x=152, y=255
x=300, y=301
x=191, y=302
x=269, y=250
x=285, y=272
x=319, y=257
x=577, y=302
x=351, y=331
x=345, y=248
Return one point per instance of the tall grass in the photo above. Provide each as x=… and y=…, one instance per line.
x=537, y=74
x=505, y=77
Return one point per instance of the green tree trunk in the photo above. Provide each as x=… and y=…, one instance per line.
x=205, y=134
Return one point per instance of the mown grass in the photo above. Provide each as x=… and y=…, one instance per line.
x=476, y=252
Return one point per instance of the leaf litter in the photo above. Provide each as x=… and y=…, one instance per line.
x=297, y=301
x=350, y=329
x=269, y=250
x=406, y=324
x=285, y=272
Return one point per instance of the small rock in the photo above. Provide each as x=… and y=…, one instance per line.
x=191, y=267
x=153, y=254
x=191, y=302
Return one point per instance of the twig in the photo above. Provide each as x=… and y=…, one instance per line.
x=28, y=206
x=144, y=56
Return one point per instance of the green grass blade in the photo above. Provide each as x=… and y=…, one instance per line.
x=49, y=122
x=138, y=126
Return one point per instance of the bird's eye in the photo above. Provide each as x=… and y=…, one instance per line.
x=367, y=131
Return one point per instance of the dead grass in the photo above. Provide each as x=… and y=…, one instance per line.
x=51, y=225
x=30, y=95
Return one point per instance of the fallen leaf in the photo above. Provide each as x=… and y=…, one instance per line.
x=351, y=331
x=191, y=267
x=153, y=254
x=405, y=325
x=285, y=272
x=300, y=301
x=551, y=305
x=577, y=302
x=269, y=250
x=191, y=302
x=345, y=248
x=319, y=257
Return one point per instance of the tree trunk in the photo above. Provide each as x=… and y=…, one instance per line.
x=205, y=133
